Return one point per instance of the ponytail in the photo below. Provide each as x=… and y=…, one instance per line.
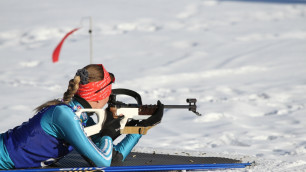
x=72, y=89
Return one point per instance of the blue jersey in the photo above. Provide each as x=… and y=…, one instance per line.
x=54, y=132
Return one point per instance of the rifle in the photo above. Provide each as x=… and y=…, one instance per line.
x=136, y=111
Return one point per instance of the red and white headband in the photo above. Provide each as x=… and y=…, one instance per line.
x=94, y=91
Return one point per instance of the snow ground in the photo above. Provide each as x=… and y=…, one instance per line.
x=243, y=61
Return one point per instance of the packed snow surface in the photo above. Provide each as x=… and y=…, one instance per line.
x=243, y=61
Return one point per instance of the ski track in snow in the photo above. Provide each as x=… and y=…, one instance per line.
x=244, y=62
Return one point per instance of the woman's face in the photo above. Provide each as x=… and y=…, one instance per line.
x=102, y=103
x=99, y=104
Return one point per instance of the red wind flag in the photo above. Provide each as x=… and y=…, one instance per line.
x=57, y=50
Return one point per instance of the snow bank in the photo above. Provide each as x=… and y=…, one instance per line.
x=244, y=62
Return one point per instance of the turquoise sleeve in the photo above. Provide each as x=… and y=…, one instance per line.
x=5, y=160
x=127, y=144
x=124, y=147
x=69, y=128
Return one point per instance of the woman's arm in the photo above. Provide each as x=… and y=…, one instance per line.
x=123, y=148
x=71, y=130
x=127, y=144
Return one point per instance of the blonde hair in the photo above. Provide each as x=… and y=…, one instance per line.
x=95, y=73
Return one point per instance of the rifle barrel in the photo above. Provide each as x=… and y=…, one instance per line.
x=176, y=106
x=192, y=108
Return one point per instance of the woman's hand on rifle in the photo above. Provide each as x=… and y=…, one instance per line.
x=156, y=116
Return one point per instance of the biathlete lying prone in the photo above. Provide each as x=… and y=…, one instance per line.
x=55, y=130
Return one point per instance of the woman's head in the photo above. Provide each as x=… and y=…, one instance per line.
x=92, y=83
x=92, y=80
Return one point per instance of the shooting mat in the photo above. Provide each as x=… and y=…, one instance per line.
x=139, y=159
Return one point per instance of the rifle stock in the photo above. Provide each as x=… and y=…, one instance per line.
x=94, y=129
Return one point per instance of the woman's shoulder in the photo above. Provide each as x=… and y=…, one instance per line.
x=62, y=109
x=55, y=112
x=56, y=117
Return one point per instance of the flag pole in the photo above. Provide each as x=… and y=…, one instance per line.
x=90, y=39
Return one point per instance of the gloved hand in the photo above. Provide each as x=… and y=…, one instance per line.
x=111, y=126
x=156, y=117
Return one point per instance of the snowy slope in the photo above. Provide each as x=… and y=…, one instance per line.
x=243, y=61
